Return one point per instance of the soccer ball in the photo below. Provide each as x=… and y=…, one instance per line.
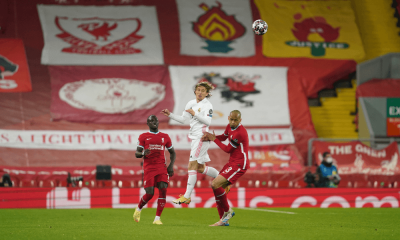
x=260, y=27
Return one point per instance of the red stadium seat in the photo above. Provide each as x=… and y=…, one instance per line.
x=203, y=184
x=106, y=183
x=27, y=183
x=46, y=183
x=61, y=183
x=126, y=184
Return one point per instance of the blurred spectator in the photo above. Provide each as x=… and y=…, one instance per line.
x=5, y=180
x=309, y=178
x=327, y=174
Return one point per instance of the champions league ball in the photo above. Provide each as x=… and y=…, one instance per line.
x=260, y=27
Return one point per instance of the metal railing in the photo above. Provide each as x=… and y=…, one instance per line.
x=372, y=141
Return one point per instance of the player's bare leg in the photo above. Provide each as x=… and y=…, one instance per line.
x=143, y=201
x=218, y=185
x=192, y=179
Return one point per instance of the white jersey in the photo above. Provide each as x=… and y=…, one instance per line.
x=200, y=122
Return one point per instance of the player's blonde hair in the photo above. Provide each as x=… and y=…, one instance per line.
x=207, y=85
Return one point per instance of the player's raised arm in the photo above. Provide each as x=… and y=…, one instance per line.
x=180, y=119
x=204, y=116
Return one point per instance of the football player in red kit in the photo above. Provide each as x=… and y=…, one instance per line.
x=151, y=147
x=237, y=166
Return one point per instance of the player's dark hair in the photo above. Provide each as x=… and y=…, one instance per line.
x=205, y=84
x=152, y=116
x=325, y=153
x=238, y=112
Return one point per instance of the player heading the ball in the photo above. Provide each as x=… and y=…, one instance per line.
x=199, y=112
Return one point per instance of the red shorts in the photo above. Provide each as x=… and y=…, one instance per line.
x=151, y=178
x=232, y=172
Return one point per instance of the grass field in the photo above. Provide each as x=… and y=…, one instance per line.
x=305, y=223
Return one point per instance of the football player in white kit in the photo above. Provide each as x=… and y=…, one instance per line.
x=199, y=111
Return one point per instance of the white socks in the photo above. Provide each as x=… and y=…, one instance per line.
x=192, y=179
x=157, y=218
x=210, y=171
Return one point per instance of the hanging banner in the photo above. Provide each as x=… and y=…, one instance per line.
x=314, y=29
x=276, y=159
x=110, y=94
x=100, y=35
x=358, y=158
x=123, y=140
x=216, y=28
x=14, y=70
x=393, y=117
x=260, y=93
x=74, y=198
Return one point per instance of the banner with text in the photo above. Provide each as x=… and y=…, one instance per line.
x=315, y=29
x=260, y=93
x=358, y=158
x=110, y=94
x=14, y=70
x=100, y=35
x=75, y=198
x=122, y=139
x=216, y=28
x=393, y=117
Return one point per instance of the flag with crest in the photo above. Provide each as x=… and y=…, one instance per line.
x=216, y=28
x=100, y=35
x=314, y=29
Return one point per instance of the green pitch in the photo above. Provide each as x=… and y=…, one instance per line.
x=305, y=223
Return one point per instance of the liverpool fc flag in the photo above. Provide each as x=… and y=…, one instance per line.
x=314, y=29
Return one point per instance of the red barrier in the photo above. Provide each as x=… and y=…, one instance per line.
x=201, y=198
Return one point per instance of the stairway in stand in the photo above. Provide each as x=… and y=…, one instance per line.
x=334, y=117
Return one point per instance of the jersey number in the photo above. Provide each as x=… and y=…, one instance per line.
x=227, y=170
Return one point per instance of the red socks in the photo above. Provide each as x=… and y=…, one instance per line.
x=219, y=208
x=161, y=201
x=220, y=195
x=144, y=200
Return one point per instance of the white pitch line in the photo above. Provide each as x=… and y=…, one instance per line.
x=266, y=210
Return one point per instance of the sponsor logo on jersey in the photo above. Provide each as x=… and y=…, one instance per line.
x=156, y=147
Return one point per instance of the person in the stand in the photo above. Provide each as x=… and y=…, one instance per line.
x=5, y=180
x=327, y=174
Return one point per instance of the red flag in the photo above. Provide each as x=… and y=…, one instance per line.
x=110, y=94
x=14, y=71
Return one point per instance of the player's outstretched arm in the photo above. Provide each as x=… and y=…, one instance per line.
x=172, y=156
x=166, y=112
x=225, y=148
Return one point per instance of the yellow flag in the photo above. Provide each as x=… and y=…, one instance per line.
x=314, y=29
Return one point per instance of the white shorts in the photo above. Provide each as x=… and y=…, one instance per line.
x=199, y=151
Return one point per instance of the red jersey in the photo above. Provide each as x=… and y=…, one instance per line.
x=238, y=146
x=156, y=142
